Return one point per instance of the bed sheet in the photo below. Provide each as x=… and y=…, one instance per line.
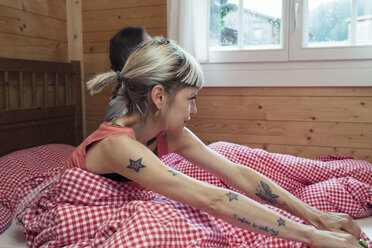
x=13, y=237
x=102, y=213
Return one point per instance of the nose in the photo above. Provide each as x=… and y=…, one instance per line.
x=193, y=110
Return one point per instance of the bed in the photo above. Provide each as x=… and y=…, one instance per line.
x=39, y=133
x=40, y=108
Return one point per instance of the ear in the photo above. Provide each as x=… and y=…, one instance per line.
x=158, y=96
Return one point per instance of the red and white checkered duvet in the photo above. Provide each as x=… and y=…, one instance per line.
x=82, y=209
x=18, y=166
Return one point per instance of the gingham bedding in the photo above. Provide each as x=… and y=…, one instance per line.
x=82, y=209
x=18, y=166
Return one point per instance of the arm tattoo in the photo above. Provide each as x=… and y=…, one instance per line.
x=173, y=172
x=232, y=196
x=281, y=222
x=136, y=164
x=266, y=229
x=264, y=192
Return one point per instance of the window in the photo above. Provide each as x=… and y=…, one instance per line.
x=245, y=24
x=337, y=23
x=274, y=30
x=247, y=30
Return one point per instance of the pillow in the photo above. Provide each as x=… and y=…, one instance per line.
x=18, y=166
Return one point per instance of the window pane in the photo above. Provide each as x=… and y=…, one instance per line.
x=221, y=34
x=364, y=7
x=328, y=20
x=251, y=25
x=364, y=22
x=332, y=23
x=261, y=25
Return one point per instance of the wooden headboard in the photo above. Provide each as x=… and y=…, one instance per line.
x=40, y=103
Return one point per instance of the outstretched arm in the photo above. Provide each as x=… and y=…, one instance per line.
x=125, y=156
x=256, y=185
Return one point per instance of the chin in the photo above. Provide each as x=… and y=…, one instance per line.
x=179, y=130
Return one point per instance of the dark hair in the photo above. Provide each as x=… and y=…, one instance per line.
x=122, y=44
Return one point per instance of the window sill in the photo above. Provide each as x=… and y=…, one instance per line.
x=289, y=74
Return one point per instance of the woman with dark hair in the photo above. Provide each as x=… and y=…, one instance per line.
x=121, y=44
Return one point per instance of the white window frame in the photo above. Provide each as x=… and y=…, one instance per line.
x=291, y=66
x=297, y=38
x=263, y=54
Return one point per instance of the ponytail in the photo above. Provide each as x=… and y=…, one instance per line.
x=100, y=81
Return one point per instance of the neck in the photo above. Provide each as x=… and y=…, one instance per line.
x=144, y=129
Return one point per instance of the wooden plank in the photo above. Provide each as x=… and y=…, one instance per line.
x=6, y=90
x=34, y=66
x=56, y=90
x=324, y=134
x=78, y=103
x=115, y=19
x=67, y=90
x=99, y=42
x=343, y=109
x=21, y=47
x=45, y=89
x=55, y=8
x=33, y=133
x=34, y=100
x=29, y=24
x=21, y=91
x=21, y=115
x=286, y=91
x=96, y=107
x=95, y=63
x=74, y=30
x=117, y=4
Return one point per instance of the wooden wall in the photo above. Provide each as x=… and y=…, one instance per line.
x=306, y=122
x=33, y=29
x=101, y=21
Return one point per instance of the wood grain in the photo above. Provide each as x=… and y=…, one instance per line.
x=119, y=4
x=99, y=42
x=23, y=47
x=55, y=8
x=294, y=108
x=116, y=19
x=29, y=24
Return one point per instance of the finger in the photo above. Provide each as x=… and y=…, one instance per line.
x=352, y=228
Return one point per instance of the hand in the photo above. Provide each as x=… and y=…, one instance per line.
x=334, y=239
x=336, y=222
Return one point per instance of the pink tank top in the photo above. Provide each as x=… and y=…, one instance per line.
x=78, y=157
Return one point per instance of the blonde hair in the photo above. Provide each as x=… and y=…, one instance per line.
x=156, y=62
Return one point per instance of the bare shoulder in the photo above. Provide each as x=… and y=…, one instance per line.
x=116, y=142
x=105, y=154
x=177, y=143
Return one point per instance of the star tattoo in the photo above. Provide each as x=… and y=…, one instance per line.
x=173, y=172
x=136, y=164
x=281, y=222
x=232, y=196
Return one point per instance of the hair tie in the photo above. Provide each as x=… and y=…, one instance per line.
x=119, y=78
